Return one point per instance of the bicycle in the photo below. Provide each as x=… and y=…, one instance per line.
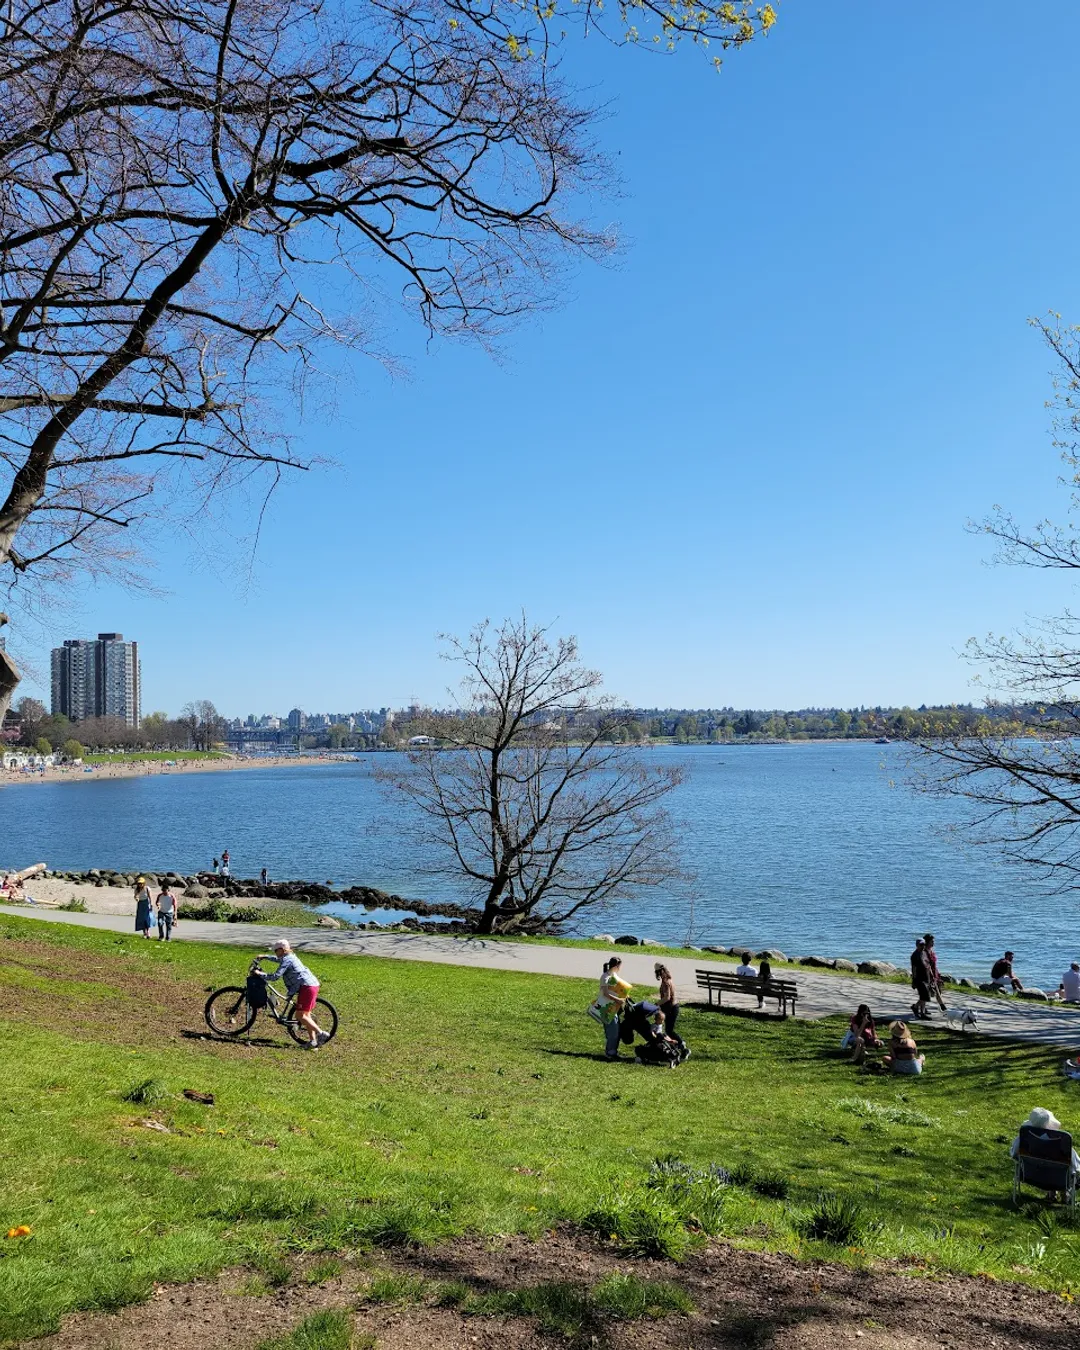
x=230, y=1012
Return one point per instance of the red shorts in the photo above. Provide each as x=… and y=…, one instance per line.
x=305, y=999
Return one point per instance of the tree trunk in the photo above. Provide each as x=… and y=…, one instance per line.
x=9, y=679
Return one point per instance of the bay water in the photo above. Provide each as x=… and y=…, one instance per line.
x=812, y=848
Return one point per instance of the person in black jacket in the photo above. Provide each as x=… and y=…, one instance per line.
x=922, y=978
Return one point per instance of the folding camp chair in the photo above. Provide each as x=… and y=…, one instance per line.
x=1044, y=1160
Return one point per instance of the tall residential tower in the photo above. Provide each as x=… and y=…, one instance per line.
x=99, y=678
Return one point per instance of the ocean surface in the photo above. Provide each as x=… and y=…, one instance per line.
x=820, y=849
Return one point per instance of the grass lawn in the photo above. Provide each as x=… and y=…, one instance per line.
x=462, y=1100
x=136, y=756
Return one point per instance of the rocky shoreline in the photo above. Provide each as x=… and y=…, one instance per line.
x=209, y=887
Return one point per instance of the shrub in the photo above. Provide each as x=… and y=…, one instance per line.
x=146, y=1092
x=75, y=905
x=836, y=1219
x=645, y=1223
x=73, y=750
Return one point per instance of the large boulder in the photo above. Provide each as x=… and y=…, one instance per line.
x=823, y=962
x=197, y=892
x=842, y=963
x=990, y=989
x=627, y=940
x=328, y=921
x=876, y=968
x=965, y=982
x=717, y=951
x=770, y=954
x=603, y=937
x=1035, y=995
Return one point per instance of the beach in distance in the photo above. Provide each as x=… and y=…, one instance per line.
x=148, y=768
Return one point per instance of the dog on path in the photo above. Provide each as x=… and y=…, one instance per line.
x=962, y=1018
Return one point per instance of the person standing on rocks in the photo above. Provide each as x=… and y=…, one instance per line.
x=263, y=878
x=225, y=864
x=166, y=913
x=921, y=979
x=144, y=907
x=935, y=974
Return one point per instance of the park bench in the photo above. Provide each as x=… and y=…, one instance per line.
x=715, y=981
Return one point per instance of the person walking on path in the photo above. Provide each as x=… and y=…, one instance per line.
x=935, y=974
x=144, y=907
x=921, y=979
x=166, y=913
x=609, y=1003
x=1001, y=974
x=299, y=983
x=668, y=1003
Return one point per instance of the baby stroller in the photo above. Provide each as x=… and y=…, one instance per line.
x=665, y=1052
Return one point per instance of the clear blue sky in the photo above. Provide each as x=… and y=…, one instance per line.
x=738, y=464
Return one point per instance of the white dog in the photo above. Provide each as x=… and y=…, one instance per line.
x=960, y=1018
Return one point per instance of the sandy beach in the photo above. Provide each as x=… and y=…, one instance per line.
x=90, y=773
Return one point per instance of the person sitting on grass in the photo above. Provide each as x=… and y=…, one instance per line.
x=1002, y=977
x=1069, y=988
x=861, y=1034
x=903, y=1056
x=299, y=982
x=747, y=970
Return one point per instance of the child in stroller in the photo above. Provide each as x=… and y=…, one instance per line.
x=646, y=1020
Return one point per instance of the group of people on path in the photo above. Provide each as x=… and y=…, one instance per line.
x=161, y=912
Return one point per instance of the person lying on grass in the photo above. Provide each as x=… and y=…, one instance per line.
x=903, y=1056
x=299, y=982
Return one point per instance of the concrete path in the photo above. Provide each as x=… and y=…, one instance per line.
x=819, y=994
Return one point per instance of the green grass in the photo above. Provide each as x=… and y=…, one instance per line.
x=458, y=1101
x=137, y=756
x=321, y=1331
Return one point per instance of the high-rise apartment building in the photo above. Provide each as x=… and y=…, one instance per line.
x=97, y=678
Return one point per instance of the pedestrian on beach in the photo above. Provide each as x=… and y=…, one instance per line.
x=935, y=974
x=1002, y=977
x=166, y=913
x=144, y=907
x=299, y=983
x=668, y=1003
x=225, y=864
x=609, y=1003
x=921, y=979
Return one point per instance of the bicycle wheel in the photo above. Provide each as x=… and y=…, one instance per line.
x=324, y=1013
x=228, y=1012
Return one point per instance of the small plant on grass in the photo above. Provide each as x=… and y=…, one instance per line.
x=836, y=1219
x=146, y=1092
x=75, y=905
x=895, y=1115
x=321, y=1331
x=644, y=1223
x=321, y=1271
x=627, y=1296
x=392, y=1287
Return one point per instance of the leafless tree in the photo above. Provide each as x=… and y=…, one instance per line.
x=204, y=723
x=183, y=184
x=526, y=798
x=1025, y=789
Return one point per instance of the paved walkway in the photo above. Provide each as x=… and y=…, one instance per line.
x=819, y=994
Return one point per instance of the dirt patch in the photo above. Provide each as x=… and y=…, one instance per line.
x=90, y=994
x=744, y=1301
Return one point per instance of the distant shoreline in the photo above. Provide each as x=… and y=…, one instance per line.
x=148, y=768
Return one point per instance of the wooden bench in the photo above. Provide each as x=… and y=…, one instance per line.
x=715, y=981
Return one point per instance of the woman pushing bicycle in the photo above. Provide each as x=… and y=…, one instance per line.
x=301, y=984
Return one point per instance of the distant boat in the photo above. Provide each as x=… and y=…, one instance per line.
x=883, y=740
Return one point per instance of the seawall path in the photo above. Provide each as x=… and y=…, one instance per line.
x=819, y=995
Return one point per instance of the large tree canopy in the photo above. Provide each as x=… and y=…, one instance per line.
x=183, y=183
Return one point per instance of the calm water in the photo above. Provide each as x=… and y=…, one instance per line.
x=811, y=848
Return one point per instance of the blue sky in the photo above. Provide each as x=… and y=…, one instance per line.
x=737, y=464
